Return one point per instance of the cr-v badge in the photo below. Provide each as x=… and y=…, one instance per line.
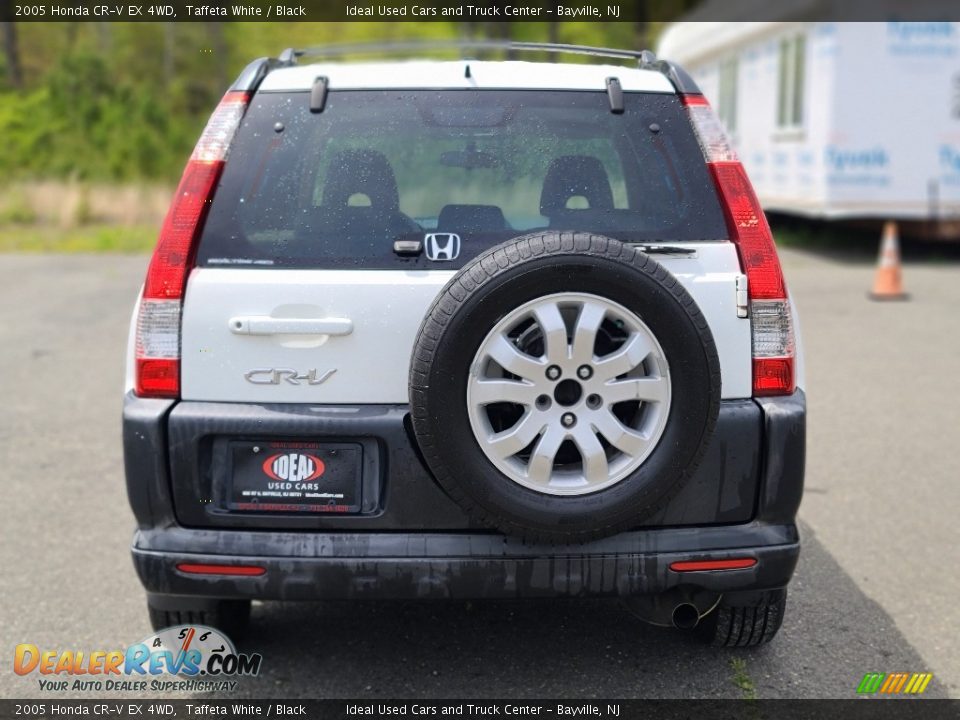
x=274, y=376
x=442, y=246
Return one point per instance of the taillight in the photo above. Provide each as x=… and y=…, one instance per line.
x=158, y=323
x=770, y=315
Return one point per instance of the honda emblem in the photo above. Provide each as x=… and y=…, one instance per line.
x=442, y=246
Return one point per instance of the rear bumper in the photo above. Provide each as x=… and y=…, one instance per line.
x=363, y=557
x=432, y=565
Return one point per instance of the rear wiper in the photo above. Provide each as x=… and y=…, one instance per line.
x=664, y=249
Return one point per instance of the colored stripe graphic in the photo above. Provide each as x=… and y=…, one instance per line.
x=900, y=683
x=889, y=682
x=870, y=683
x=894, y=683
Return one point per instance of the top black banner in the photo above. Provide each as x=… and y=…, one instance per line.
x=930, y=11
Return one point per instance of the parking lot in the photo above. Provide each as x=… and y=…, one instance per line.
x=875, y=590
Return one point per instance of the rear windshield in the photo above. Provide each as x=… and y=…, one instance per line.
x=457, y=171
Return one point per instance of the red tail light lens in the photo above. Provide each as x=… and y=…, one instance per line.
x=772, y=376
x=771, y=316
x=749, y=230
x=158, y=378
x=158, y=322
x=173, y=255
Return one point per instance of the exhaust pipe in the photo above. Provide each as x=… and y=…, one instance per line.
x=685, y=616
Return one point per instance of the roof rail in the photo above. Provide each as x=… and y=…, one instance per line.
x=291, y=55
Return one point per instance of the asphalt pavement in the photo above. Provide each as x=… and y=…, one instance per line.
x=875, y=589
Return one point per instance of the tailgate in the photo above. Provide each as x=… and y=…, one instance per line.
x=279, y=355
x=302, y=336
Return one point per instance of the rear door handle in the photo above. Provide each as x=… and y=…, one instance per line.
x=266, y=325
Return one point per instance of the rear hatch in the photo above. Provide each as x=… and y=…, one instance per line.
x=331, y=233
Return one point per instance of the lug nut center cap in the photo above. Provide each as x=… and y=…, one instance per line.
x=568, y=392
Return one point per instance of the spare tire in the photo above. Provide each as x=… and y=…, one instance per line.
x=563, y=387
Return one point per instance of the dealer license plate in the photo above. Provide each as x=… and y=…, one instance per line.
x=295, y=476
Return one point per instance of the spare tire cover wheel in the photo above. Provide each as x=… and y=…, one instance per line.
x=563, y=387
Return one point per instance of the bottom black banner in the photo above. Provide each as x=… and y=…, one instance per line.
x=862, y=709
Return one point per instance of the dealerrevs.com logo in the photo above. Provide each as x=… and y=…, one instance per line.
x=191, y=658
x=293, y=467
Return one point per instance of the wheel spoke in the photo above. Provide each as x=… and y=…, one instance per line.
x=512, y=360
x=648, y=389
x=617, y=434
x=511, y=441
x=540, y=468
x=486, y=392
x=595, y=467
x=554, y=332
x=585, y=332
x=634, y=352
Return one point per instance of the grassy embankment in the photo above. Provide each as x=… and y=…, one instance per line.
x=91, y=239
x=65, y=217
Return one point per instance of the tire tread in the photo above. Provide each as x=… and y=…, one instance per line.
x=746, y=626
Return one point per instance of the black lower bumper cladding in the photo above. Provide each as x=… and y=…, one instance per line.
x=410, y=565
x=330, y=562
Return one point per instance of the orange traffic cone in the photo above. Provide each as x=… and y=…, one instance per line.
x=888, y=284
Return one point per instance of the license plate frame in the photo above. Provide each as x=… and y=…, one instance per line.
x=294, y=476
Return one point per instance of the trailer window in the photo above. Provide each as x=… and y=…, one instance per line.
x=727, y=93
x=790, y=91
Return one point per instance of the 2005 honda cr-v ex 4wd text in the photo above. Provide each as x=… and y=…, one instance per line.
x=466, y=329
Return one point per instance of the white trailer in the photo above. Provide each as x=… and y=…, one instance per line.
x=837, y=120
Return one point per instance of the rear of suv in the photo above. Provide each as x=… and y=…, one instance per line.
x=466, y=329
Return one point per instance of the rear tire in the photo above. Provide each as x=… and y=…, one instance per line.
x=229, y=616
x=745, y=625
